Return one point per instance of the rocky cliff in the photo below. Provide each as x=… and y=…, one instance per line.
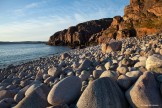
x=146, y=16
x=81, y=34
x=141, y=17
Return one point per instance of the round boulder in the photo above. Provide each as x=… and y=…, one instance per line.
x=134, y=75
x=84, y=75
x=21, y=94
x=102, y=93
x=65, y=91
x=111, y=74
x=122, y=69
x=97, y=73
x=54, y=71
x=36, y=99
x=124, y=82
x=108, y=65
x=154, y=61
x=145, y=92
x=64, y=56
x=86, y=64
x=7, y=103
x=6, y=94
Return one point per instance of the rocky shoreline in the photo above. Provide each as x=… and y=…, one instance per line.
x=88, y=78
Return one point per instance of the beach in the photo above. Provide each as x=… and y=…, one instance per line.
x=66, y=80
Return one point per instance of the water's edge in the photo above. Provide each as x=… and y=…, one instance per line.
x=10, y=60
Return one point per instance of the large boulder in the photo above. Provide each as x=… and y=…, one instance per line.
x=124, y=82
x=21, y=94
x=97, y=73
x=54, y=71
x=84, y=75
x=134, y=75
x=64, y=56
x=108, y=65
x=102, y=93
x=85, y=64
x=36, y=99
x=32, y=88
x=65, y=91
x=140, y=64
x=6, y=94
x=110, y=74
x=112, y=46
x=145, y=92
x=122, y=69
x=7, y=103
x=154, y=61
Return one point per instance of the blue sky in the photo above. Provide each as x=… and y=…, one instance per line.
x=37, y=20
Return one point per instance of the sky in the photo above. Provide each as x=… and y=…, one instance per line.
x=37, y=20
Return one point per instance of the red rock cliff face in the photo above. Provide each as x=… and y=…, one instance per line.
x=81, y=34
x=141, y=17
x=146, y=16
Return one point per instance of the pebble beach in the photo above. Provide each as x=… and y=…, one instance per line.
x=88, y=78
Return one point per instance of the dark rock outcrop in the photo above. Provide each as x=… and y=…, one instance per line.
x=81, y=34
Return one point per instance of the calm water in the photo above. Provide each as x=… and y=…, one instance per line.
x=16, y=53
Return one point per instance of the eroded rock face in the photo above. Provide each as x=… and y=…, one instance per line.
x=102, y=93
x=80, y=34
x=145, y=92
x=144, y=14
x=156, y=9
x=139, y=7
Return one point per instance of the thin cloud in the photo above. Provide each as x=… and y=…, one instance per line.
x=40, y=27
x=32, y=5
x=22, y=11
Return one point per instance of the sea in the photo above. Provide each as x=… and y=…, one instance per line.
x=20, y=53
